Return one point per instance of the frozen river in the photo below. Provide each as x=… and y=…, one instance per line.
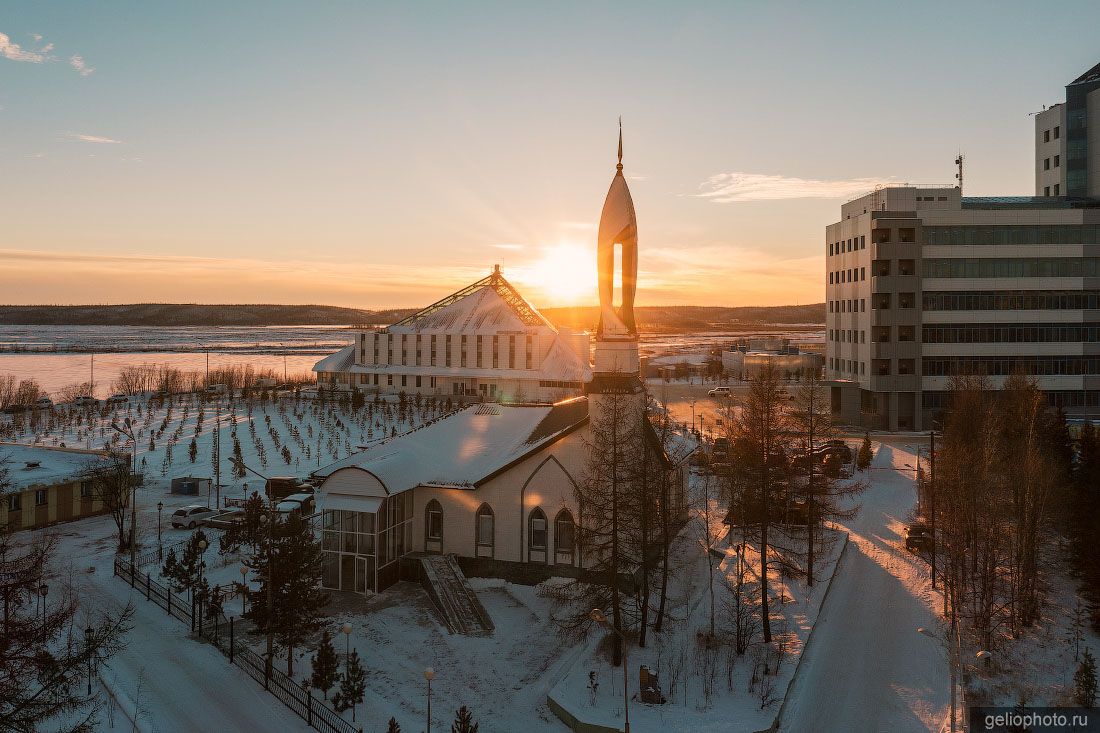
x=58, y=356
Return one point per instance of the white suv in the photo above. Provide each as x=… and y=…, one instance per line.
x=192, y=516
x=720, y=392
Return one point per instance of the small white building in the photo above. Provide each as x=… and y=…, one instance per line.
x=484, y=341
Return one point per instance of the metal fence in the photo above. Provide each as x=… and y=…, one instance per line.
x=220, y=631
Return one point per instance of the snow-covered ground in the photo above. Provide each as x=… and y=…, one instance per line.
x=166, y=680
x=313, y=433
x=868, y=668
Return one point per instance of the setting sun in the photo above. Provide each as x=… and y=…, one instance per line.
x=564, y=275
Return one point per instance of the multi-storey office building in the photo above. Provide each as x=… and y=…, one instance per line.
x=924, y=284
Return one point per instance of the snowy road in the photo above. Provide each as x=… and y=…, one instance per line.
x=867, y=668
x=174, y=683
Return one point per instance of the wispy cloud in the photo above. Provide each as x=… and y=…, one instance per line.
x=15, y=52
x=77, y=62
x=738, y=186
x=98, y=139
x=507, y=246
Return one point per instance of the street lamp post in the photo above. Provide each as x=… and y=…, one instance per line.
x=127, y=430
x=693, y=416
x=346, y=628
x=89, y=634
x=160, y=543
x=202, y=591
x=429, y=675
x=598, y=616
x=43, y=590
x=954, y=645
x=244, y=589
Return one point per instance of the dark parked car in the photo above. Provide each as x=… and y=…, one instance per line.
x=918, y=537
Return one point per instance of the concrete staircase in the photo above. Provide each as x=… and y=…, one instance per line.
x=452, y=596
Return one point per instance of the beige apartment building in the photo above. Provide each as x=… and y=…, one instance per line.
x=43, y=486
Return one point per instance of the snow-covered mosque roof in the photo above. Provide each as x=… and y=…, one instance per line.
x=491, y=303
x=464, y=449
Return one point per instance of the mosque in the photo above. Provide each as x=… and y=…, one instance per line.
x=494, y=484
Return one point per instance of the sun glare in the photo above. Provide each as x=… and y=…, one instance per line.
x=564, y=275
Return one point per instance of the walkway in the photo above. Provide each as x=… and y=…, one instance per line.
x=867, y=668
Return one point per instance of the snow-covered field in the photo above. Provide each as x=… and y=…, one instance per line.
x=288, y=435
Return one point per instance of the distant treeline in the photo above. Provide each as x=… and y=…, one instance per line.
x=191, y=314
x=666, y=318
x=694, y=317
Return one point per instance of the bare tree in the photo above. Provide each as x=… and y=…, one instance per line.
x=111, y=482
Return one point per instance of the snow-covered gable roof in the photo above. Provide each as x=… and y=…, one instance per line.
x=488, y=304
x=55, y=465
x=341, y=361
x=465, y=448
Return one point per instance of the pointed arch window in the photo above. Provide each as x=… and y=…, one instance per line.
x=565, y=537
x=537, y=531
x=433, y=521
x=485, y=526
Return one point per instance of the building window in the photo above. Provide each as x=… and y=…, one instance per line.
x=448, y=352
x=433, y=350
x=530, y=356
x=404, y=382
x=1046, y=190
x=1057, y=189
x=537, y=535
x=496, y=351
x=462, y=352
x=15, y=502
x=389, y=380
x=85, y=489
x=40, y=497
x=478, y=362
x=1057, y=160
x=1057, y=132
x=511, y=352
x=433, y=521
x=564, y=537
x=484, y=526
x=1046, y=164
x=1046, y=136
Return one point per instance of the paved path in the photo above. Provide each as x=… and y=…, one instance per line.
x=867, y=668
x=173, y=682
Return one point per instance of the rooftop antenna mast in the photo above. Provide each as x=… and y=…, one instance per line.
x=959, y=164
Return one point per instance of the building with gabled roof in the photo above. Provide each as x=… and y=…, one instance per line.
x=494, y=485
x=484, y=341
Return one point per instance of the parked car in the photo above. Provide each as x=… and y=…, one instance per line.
x=117, y=399
x=918, y=537
x=720, y=392
x=85, y=401
x=302, y=503
x=43, y=403
x=192, y=516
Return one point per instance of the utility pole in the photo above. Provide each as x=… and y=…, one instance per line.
x=207, y=368
x=91, y=378
x=932, y=498
x=216, y=454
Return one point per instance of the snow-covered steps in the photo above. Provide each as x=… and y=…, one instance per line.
x=452, y=596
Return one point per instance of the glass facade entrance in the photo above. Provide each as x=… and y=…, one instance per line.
x=361, y=550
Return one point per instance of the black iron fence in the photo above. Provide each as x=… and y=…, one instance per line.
x=221, y=631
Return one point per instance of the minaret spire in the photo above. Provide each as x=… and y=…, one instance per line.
x=619, y=167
